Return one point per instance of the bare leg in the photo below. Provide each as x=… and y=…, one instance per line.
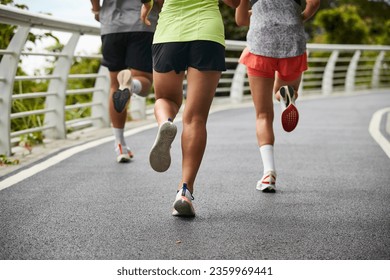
x=279, y=83
x=200, y=93
x=261, y=90
x=169, y=95
x=119, y=119
x=145, y=79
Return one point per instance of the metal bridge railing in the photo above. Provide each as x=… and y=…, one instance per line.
x=332, y=68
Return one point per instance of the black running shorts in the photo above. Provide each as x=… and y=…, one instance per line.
x=178, y=56
x=127, y=50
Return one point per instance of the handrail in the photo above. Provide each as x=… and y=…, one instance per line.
x=14, y=16
x=332, y=68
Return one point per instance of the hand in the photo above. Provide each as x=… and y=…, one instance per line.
x=145, y=10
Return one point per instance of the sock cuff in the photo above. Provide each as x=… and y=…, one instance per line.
x=267, y=147
x=136, y=86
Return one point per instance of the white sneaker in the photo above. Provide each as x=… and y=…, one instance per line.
x=290, y=115
x=267, y=182
x=123, y=154
x=182, y=206
x=160, y=154
x=121, y=97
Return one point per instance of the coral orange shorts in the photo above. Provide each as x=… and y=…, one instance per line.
x=287, y=69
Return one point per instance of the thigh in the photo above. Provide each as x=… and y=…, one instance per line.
x=201, y=87
x=169, y=86
x=294, y=83
x=262, y=95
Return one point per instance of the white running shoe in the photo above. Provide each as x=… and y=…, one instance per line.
x=182, y=206
x=121, y=97
x=160, y=154
x=290, y=115
x=123, y=154
x=125, y=80
x=267, y=182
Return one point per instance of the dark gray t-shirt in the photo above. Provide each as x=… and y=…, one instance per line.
x=276, y=29
x=117, y=16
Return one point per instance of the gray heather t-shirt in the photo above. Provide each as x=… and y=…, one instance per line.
x=117, y=16
x=276, y=29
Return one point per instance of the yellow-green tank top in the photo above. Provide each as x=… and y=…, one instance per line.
x=189, y=20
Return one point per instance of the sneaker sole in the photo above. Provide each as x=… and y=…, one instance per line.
x=290, y=118
x=183, y=208
x=123, y=158
x=160, y=154
x=290, y=115
x=121, y=99
x=266, y=188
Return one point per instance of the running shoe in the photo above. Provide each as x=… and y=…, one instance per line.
x=267, y=182
x=182, y=206
x=121, y=97
x=123, y=154
x=290, y=115
x=160, y=154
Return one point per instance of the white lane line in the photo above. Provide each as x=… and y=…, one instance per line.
x=375, y=130
x=24, y=174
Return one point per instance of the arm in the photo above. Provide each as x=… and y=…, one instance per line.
x=310, y=9
x=243, y=13
x=96, y=8
x=147, y=6
x=232, y=3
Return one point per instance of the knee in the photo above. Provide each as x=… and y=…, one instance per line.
x=265, y=116
x=192, y=120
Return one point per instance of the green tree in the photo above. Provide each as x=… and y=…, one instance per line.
x=341, y=25
x=232, y=31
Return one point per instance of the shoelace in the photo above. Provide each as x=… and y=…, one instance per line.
x=185, y=189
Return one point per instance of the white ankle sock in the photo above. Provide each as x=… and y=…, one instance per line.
x=119, y=136
x=136, y=86
x=267, y=156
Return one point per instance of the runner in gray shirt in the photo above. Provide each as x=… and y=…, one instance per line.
x=126, y=49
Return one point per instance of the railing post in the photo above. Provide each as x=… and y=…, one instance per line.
x=138, y=107
x=100, y=96
x=351, y=72
x=377, y=70
x=59, y=85
x=327, y=81
x=237, y=87
x=8, y=68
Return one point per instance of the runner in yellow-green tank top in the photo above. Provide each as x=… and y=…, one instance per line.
x=188, y=43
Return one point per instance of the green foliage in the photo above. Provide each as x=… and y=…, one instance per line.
x=81, y=66
x=353, y=22
x=232, y=31
x=341, y=25
x=4, y=160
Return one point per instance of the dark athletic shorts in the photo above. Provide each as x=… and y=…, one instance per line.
x=127, y=50
x=178, y=56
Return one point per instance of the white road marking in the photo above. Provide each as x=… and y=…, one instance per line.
x=375, y=131
x=36, y=168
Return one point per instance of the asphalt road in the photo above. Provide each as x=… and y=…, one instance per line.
x=332, y=200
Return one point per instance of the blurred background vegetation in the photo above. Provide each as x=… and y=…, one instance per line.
x=336, y=22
